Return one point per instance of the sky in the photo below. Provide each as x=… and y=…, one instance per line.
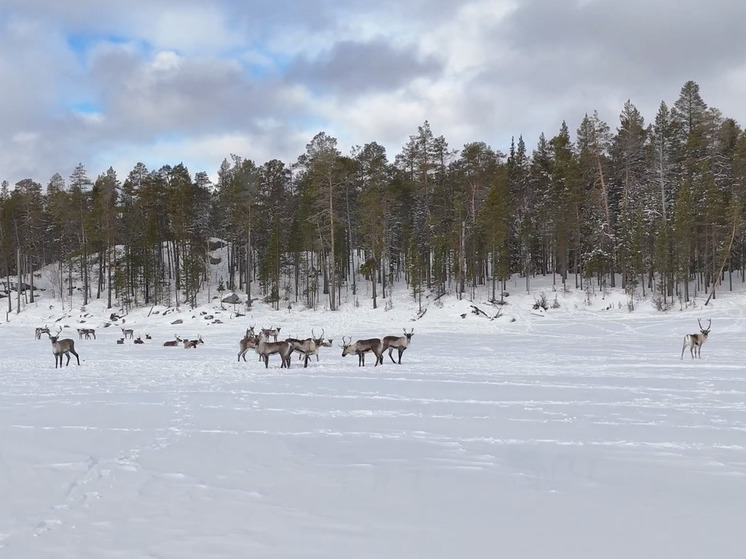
x=164, y=82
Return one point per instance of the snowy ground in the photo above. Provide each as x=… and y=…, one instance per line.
x=577, y=434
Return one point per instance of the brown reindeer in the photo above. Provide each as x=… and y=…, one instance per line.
x=361, y=347
x=62, y=347
x=271, y=332
x=172, y=343
x=399, y=343
x=265, y=349
x=310, y=346
x=193, y=343
x=249, y=341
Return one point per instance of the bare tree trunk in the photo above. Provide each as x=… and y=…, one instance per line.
x=725, y=256
x=18, y=281
x=31, y=279
x=332, y=260
x=108, y=277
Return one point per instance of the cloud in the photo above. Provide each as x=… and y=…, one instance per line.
x=172, y=81
x=354, y=68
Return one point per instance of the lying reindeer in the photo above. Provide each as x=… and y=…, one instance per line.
x=172, y=343
x=361, y=347
x=193, y=343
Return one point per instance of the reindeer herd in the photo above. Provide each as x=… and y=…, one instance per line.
x=305, y=348
x=309, y=347
x=265, y=344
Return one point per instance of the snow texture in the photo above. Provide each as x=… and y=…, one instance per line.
x=578, y=432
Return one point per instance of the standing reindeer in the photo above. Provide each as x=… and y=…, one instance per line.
x=361, y=347
x=308, y=347
x=62, y=347
x=128, y=333
x=274, y=332
x=40, y=331
x=86, y=333
x=397, y=342
x=248, y=342
x=695, y=341
x=265, y=349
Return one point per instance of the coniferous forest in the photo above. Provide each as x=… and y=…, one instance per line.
x=654, y=208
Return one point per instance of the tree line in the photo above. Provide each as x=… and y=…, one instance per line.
x=656, y=206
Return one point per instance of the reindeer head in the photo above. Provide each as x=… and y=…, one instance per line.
x=346, y=345
x=318, y=340
x=408, y=334
x=56, y=335
x=705, y=331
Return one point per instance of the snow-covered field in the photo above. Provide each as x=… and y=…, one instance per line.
x=576, y=434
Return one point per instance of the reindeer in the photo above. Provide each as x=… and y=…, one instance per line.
x=86, y=333
x=308, y=347
x=248, y=342
x=695, y=341
x=62, y=347
x=120, y=341
x=40, y=331
x=128, y=332
x=172, y=343
x=265, y=349
x=397, y=342
x=193, y=343
x=361, y=347
x=138, y=340
x=274, y=332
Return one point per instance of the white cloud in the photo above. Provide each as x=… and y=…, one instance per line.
x=184, y=81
